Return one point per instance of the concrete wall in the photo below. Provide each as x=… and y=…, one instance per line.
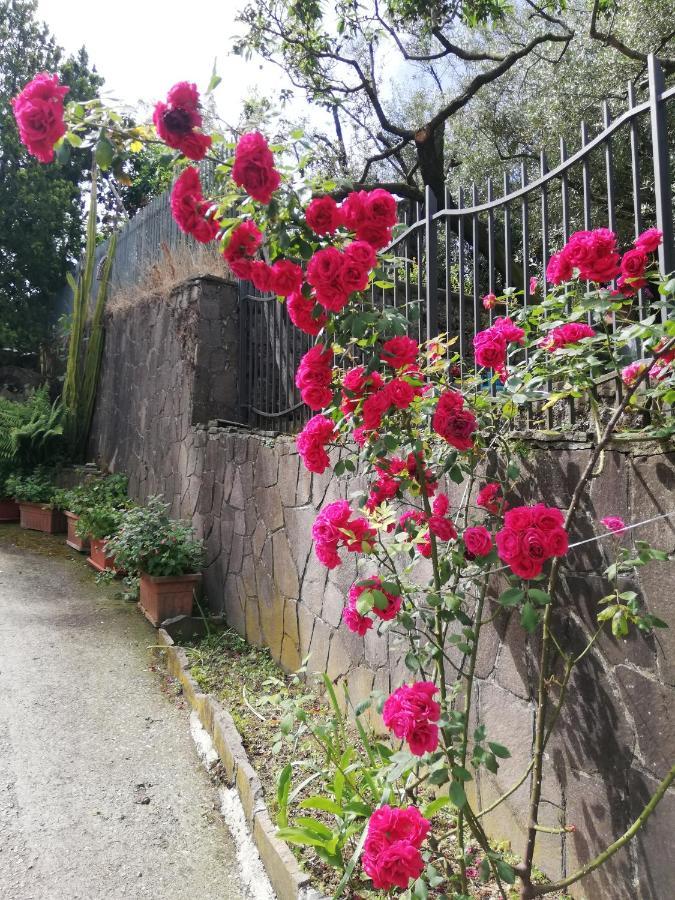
x=170, y=368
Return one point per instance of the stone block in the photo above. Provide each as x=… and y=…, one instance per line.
x=338, y=663
x=650, y=704
x=654, y=841
x=268, y=505
x=285, y=573
x=288, y=478
x=267, y=466
x=598, y=810
x=334, y=601
x=319, y=646
x=298, y=522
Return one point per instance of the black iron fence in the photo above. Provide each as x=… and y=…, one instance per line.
x=492, y=237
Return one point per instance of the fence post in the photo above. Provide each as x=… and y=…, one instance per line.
x=245, y=347
x=662, y=195
x=431, y=241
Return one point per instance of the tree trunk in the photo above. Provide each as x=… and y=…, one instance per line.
x=430, y=147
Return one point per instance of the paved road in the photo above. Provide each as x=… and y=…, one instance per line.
x=101, y=791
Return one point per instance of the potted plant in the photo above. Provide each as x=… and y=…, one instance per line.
x=9, y=508
x=107, y=491
x=97, y=524
x=38, y=506
x=167, y=556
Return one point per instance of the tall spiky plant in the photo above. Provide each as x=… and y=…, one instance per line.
x=84, y=359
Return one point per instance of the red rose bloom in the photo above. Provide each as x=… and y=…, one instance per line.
x=634, y=263
x=243, y=244
x=253, y=167
x=649, y=241
x=399, y=352
x=189, y=208
x=301, y=311
x=400, y=393
x=38, y=111
x=261, y=276
x=490, y=498
x=362, y=254
x=177, y=119
x=314, y=376
x=454, y=423
x=530, y=536
x=286, y=277
x=323, y=215
x=477, y=540
x=312, y=442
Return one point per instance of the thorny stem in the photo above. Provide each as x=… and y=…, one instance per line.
x=525, y=871
x=536, y=890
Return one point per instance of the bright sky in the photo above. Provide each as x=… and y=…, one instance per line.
x=143, y=47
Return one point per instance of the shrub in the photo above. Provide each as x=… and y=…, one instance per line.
x=99, y=521
x=149, y=541
x=36, y=487
x=107, y=491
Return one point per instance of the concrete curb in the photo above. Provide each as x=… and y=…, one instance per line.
x=286, y=877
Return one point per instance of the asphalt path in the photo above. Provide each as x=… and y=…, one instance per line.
x=102, y=794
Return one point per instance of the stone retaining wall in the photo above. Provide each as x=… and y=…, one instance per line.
x=170, y=367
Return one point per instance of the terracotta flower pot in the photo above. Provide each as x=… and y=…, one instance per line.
x=97, y=557
x=163, y=597
x=9, y=510
x=38, y=517
x=74, y=540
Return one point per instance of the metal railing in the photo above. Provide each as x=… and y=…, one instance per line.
x=446, y=259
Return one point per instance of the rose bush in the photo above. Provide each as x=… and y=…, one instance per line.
x=413, y=419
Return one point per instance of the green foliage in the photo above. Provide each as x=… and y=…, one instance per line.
x=85, y=346
x=37, y=487
x=147, y=540
x=40, y=212
x=99, y=521
x=31, y=433
x=109, y=490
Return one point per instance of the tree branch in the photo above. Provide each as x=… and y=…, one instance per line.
x=492, y=75
x=390, y=151
x=611, y=40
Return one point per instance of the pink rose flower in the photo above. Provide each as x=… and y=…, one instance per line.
x=649, y=241
x=176, y=121
x=302, y=313
x=399, y=352
x=490, y=498
x=38, y=111
x=189, y=209
x=286, y=277
x=477, y=540
x=323, y=215
x=253, y=168
x=453, y=422
x=312, y=442
x=615, y=524
x=489, y=301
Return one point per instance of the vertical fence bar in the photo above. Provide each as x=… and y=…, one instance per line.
x=565, y=203
x=609, y=169
x=543, y=168
x=244, y=353
x=476, y=260
x=460, y=280
x=508, y=243
x=635, y=163
x=491, y=242
x=586, y=179
x=431, y=240
x=663, y=200
x=448, y=280
x=525, y=221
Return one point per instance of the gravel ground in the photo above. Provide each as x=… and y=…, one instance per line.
x=102, y=794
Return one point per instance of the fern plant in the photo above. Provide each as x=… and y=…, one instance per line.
x=85, y=346
x=31, y=433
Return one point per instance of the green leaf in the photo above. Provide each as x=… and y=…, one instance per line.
x=529, y=618
x=365, y=602
x=461, y=774
x=538, y=596
x=457, y=795
x=380, y=600
x=435, y=806
x=499, y=750
x=511, y=597
x=315, y=827
x=301, y=836
x=439, y=777
x=479, y=734
x=322, y=803
x=104, y=153
x=505, y=871
x=283, y=790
